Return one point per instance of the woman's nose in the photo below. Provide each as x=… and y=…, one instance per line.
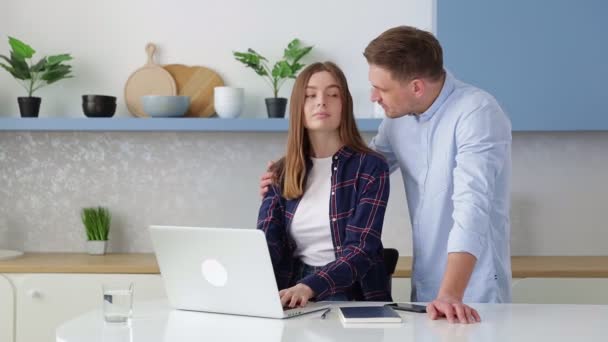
x=321, y=102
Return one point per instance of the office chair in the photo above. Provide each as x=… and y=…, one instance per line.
x=391, y=256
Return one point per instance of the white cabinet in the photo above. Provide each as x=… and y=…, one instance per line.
x=7, y=310
x=560, y=290
x=44, y=301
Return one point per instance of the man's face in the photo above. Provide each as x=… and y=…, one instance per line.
x=397, y=98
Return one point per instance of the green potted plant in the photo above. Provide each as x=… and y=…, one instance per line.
x=284, y=69
x=33, y=76
x=97, y=226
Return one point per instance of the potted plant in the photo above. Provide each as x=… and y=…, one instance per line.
x=282, y=70
x=97, y=226
x=32, y=76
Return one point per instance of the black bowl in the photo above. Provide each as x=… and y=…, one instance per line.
x=98, y=98
x=98, y=109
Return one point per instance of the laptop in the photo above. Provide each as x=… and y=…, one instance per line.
x=220, y=270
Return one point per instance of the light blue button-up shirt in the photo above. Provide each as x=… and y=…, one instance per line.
x=455, y=160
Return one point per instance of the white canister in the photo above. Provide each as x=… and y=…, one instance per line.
x=228, y=101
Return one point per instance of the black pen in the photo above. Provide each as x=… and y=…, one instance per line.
x=325, y=313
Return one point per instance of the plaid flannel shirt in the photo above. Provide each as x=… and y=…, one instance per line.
x=359, y=194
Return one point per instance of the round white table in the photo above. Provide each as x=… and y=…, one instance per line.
x=156, y=321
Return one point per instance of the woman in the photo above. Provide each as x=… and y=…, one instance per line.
x=323, y=216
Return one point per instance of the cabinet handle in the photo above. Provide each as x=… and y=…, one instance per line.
x=35, y=294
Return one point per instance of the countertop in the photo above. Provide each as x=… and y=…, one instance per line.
x=155, y=321
x=145, y=263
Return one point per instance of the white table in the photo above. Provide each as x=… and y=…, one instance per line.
x=156, y=321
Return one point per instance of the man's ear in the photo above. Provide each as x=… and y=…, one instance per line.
x=417, y=85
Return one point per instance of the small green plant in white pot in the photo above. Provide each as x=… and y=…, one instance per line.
x=97, y=226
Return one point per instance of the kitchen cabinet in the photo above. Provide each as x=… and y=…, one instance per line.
x=38, y=291
x=44, y=301
x=537, y=290
x=7, y=310
x=560, y=290
x=468, y=49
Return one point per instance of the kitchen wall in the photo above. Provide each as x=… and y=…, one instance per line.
x=107, y=39
x=211, y=179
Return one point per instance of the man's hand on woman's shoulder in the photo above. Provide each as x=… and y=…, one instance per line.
x=266, y=179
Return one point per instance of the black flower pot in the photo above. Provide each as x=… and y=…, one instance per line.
x=276, y=107
x=29, y=106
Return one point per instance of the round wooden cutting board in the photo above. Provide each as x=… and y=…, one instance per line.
x=198, y=83
x=151, y=79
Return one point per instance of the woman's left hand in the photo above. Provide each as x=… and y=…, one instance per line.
x=296, y=295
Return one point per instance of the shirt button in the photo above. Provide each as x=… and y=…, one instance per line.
x=333, y=219
x=333, y=193
x=336, y=158
x=335, y=168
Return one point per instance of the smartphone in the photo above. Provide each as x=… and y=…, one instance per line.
x=408, y=307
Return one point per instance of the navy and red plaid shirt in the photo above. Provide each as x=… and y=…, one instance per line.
x=359, y=193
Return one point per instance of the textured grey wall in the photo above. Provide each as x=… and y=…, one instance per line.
x=211, y=179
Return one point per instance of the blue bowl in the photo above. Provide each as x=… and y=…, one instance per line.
x=165, y=106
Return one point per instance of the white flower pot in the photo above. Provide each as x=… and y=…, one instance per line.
x=96, y=247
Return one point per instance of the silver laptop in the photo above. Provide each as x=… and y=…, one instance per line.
x=220, y=270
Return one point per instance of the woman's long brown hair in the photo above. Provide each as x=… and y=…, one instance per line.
x=291, y=169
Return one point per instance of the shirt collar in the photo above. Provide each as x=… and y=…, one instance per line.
x=446, y=90
x=343, y=153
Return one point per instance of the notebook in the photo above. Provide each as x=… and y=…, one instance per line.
x=368, y=314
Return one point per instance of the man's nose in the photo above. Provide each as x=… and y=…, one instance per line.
x=375, y=96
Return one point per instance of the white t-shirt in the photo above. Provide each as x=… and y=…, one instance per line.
x=310, y=225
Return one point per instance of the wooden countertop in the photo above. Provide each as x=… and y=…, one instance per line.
x=144, y=263
x=540, y=267
x=81, y=263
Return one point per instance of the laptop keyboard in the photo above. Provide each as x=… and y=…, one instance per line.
x=292, y=312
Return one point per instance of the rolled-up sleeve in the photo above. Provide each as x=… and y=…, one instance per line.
x=271, y=222
x=483, y=141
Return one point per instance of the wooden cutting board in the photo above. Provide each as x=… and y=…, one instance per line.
x=151, y=79
x=198, y=83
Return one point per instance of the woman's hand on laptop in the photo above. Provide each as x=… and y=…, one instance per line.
x=266, y=180
x=297, y=295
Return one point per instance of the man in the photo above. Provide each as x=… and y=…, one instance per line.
x=452, y=143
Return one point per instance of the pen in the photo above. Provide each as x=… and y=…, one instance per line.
x=325, y=313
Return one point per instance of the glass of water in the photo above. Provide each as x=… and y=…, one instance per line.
x=117, y=302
